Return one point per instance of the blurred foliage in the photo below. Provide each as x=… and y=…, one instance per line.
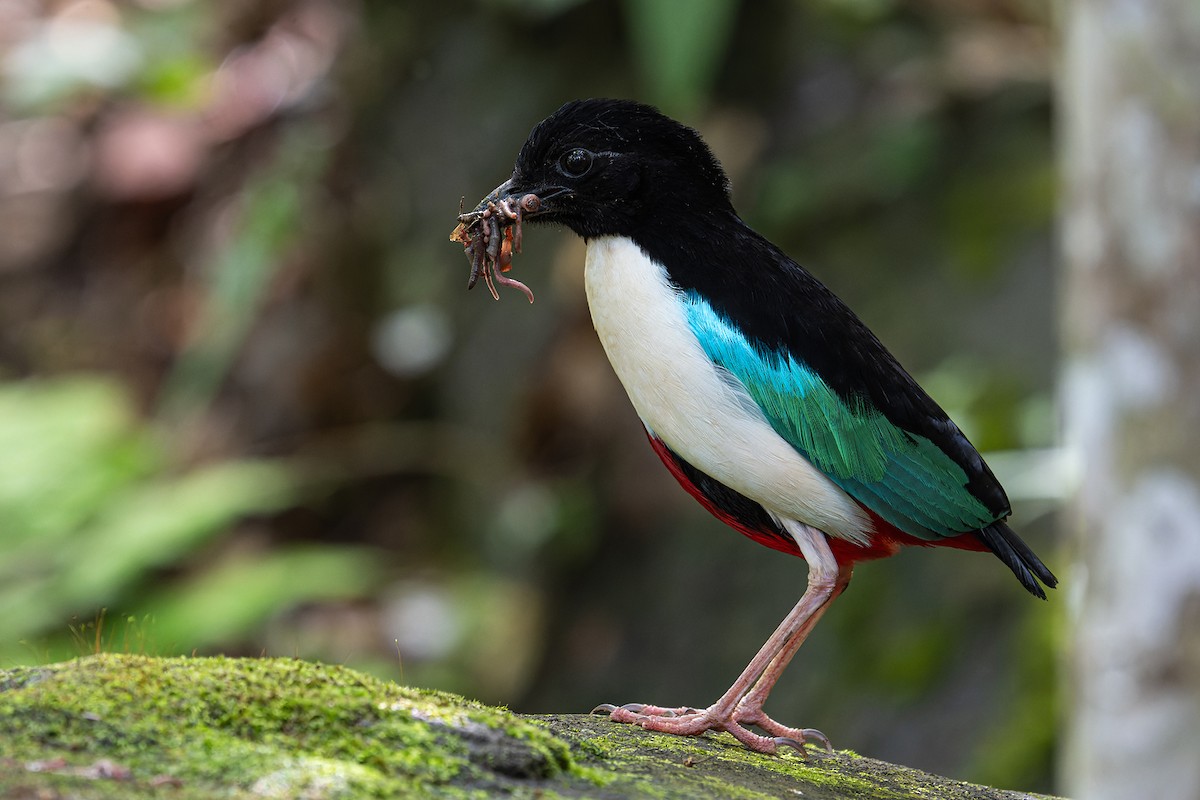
x=238, y=273
x=92, y=515
x=246, y=406
x=679, y=53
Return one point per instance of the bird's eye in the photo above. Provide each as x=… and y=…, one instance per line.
x=575, y=163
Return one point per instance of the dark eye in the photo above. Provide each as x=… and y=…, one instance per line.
x=576, y=163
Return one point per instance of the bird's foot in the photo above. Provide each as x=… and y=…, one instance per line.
x=646, y=710
x=797, y=737
x=687, y=721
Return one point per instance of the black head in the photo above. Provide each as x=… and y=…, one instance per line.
x=605, y=167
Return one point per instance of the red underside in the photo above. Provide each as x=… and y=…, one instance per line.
x=886, y=539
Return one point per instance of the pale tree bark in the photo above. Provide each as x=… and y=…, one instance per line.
x=1131, y=141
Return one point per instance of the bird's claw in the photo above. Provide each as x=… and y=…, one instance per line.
x=787, y=741
x=608, y=708
x=816, y=735
x=800, y=744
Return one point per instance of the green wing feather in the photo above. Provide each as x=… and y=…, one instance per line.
x=904, y=478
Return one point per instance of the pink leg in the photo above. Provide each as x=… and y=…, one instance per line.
x=742, y=704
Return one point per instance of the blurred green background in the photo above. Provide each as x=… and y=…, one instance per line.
x=247, y=406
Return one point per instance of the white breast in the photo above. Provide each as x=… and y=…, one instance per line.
x=688, y=402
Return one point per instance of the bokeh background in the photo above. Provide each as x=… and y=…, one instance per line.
x=248, y=407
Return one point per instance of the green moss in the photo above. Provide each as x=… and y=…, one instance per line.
x=133, y=727
x=267, y=727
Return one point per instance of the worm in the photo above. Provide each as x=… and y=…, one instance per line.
x=490, y=235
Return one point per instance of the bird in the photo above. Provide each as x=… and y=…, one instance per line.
x=765, y=396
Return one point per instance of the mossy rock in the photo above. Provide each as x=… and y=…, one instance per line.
x=129, y=727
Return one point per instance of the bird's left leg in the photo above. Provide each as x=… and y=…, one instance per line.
x=741, y=705
x=815, y=549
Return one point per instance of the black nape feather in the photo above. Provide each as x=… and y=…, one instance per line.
x=1017, y=556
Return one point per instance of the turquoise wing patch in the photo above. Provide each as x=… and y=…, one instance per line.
x=904, y=478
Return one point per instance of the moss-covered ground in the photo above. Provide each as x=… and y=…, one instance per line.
x=130, y=727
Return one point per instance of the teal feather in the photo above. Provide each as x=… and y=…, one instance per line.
x=904, y=478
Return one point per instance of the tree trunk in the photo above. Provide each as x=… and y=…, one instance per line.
x=1131, y=138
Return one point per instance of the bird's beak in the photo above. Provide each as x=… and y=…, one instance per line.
x=510, y=199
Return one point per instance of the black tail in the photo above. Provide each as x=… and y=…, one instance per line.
x=1017, y=556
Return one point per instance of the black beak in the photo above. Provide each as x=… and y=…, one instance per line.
x=510, y=201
